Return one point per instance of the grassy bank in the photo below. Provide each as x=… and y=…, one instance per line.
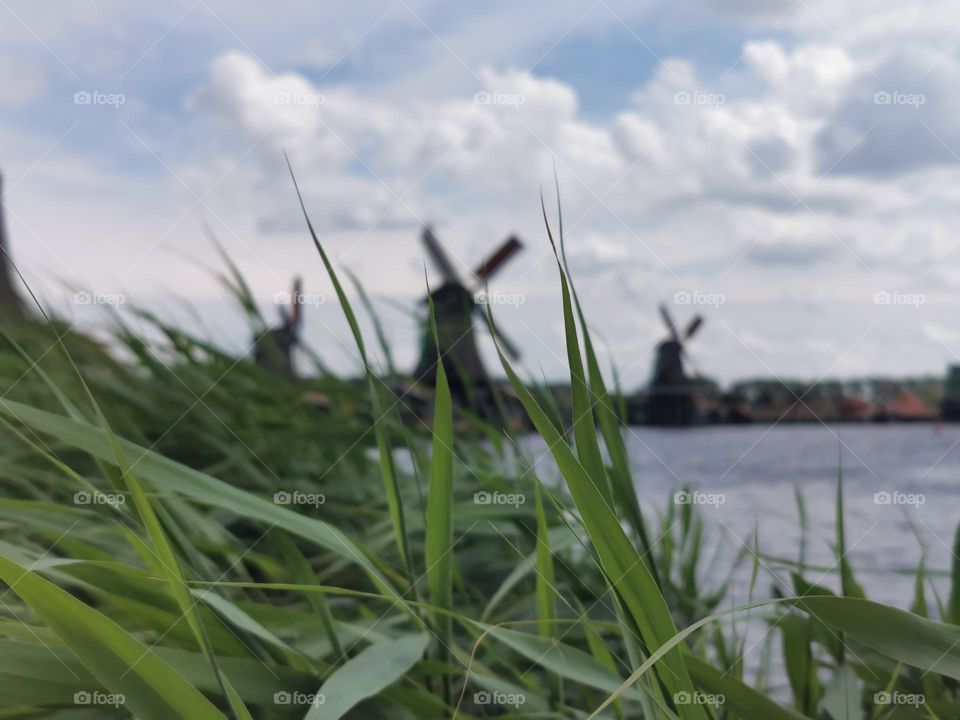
x=186, y=535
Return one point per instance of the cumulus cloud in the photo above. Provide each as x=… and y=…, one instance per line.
x=19, y=86
x=898, y=119
x=783, y=183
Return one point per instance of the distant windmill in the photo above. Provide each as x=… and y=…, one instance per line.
x=274, y=349
x=670, y=399
x=455, y=305
x=10, y=305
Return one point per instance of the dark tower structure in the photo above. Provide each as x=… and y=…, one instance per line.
x=455, y=306
x=10, y=305
x=670, y=399
x=273, y=351
x=950, y=406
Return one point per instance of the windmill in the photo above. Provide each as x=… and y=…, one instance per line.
x=273, y=350
x=455, y=306
x=670, y=399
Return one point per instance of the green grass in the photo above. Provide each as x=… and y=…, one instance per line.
x=198, y=592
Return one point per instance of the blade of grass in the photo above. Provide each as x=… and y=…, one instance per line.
x=439, y=539
x=387, y=467
x=161, y=544
x=367, y=674
x=172, y=476
x=151, y=688
x=546, y=599
x=623, y=566
x=624, y=491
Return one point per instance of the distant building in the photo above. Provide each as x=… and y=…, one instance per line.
x=908, y=406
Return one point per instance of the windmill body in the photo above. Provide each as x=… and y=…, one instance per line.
x=453, y=307
x=273, y=351
x=670, y=400
x=455, y=310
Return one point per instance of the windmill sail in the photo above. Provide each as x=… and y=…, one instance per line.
x=692, y=327
x=488, y=267
x=438, y=256
x=668, y=321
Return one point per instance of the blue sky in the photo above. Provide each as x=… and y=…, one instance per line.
x=785, y=166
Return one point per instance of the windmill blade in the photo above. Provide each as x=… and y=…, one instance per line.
x=665, y=314
x=438, y=256
x=505, y=343
x=686, y=356
x=692, y=327
x=510, y=247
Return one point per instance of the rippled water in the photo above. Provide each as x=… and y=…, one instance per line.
x=756, y=469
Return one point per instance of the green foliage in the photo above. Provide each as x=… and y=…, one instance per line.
x=189, y=533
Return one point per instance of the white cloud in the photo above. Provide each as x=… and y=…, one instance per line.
x=780, y=183
x=724, y=193
x=19, y=86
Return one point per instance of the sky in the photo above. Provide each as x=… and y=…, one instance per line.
x=789, y=170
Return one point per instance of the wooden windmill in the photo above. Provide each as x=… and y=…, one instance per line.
x=670, y=398
x=273, y=350
x=456, y=304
